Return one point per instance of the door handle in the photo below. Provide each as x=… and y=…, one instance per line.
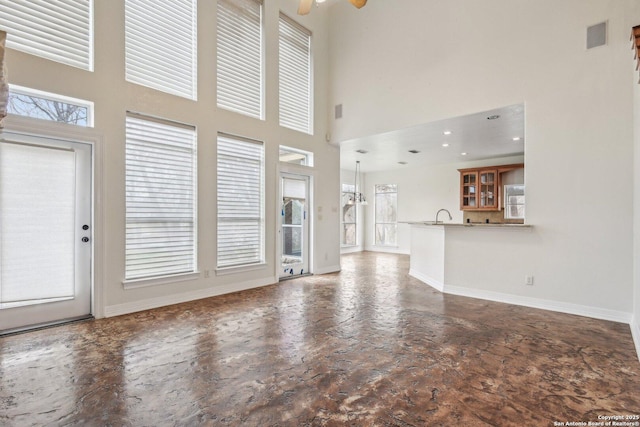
x=85, y=239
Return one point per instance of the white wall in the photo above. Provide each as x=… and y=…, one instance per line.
x=635, y=324
x=113, y=96
x=394, y=66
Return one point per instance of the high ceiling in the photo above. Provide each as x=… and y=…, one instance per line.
x=474, y=134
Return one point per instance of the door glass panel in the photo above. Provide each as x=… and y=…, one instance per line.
x=37, y=214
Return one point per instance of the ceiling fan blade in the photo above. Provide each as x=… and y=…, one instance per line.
x=305, y=7
x=358, y=3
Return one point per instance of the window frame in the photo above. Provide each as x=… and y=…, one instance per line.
x=54, y=97
x=149, y=66
x=167, y=277
x=30, y=15
x=260, y=219
x=291, y=101
x=231, y=97
x=346, y=191
x=375, y=214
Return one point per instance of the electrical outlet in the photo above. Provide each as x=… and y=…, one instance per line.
x=528, y=280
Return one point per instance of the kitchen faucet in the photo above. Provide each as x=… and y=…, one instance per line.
x=449, y=213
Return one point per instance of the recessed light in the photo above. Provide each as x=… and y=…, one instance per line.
x=402, y=163
x=516, y=138
x=445, y=145
x=414, y=151
x=463, y=154
x=361, y=151
x=446, y=132
x=495, y=116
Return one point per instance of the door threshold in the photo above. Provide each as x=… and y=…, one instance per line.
x=295, y=276
x=39, y=326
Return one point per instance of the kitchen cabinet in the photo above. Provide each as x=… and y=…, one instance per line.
x=480, y=188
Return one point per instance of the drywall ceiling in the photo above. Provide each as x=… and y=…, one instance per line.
x=476, y=135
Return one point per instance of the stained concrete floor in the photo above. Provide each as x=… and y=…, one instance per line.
x=369, y=346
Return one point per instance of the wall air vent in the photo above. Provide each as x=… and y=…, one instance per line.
x=597, y=35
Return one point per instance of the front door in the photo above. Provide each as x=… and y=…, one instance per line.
x=45, y=231
x=294, y=230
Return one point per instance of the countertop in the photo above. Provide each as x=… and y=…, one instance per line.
x=472, y=224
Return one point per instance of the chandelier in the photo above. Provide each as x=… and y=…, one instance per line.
x=357, y=198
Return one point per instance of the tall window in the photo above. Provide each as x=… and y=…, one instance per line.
x=239, y=61
x=61, y=31
x=386, y=214
x=295, y=76
x=349, y=217
x=240, y=201
x=160, y=198
x=160, y=45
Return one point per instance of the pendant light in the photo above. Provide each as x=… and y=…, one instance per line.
x=357, y=198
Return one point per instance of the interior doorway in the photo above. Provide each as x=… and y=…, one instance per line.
x=294, y=225
x=46, y=236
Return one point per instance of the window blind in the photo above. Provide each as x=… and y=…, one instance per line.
x=240, y=201
x=160, y=45
x=239, y=60
x=61, y=31
x=295, y=76
x=160, y=198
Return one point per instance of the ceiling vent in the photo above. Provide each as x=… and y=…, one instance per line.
x=597, y=35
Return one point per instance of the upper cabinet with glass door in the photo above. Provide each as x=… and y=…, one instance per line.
x=480, y=188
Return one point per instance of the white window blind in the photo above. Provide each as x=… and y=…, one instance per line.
x=240, y=201
x=295, y=76
x=160, y=198
x=160, y=45
x=239, y=61
x=37, y=207
x=61, y=31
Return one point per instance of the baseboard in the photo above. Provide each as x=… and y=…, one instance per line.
x=435, y=284
x=635, y=333
x=327, y=270
x=562, y=307
x=386, y=249
x=148, y=304
x=350, y=250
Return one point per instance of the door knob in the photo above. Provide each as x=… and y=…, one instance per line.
x=85, y=239
x=85, y=227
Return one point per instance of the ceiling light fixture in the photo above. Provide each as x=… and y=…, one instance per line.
x=516, y=138
x=357, y=198
x=402, y=163
x=446, y=132
x=463, y=154
x=445, y=145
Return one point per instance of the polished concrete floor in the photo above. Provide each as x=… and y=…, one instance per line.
x=368, y=346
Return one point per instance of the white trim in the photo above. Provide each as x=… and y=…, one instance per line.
x=327, y=270
x=80, y=134
x=558, y=306
x=148, y=304
x=387, y=249
x=160, y=280
x=350, y=249
x=223, y=271
x=435, y=284
x=635, y=333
